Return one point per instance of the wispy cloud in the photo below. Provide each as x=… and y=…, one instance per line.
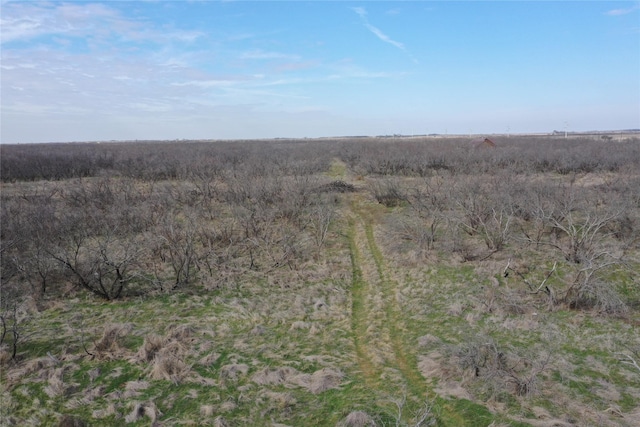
x=23, y=21
x=362, y=12
x=261, y=54
x=624, y=11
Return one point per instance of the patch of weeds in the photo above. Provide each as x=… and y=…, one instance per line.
x=30, y=348
x=627, y=402
x=131, y=342
x=337, y=169
x=463, y=412
x=82, y=377
x=113, y=375
x=582, y=388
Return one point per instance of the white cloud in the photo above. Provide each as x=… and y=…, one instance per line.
x=382, y=36
x=93, y=21
x=261, y=54
x=625, y=11
x=362, y=12
x=206, y=83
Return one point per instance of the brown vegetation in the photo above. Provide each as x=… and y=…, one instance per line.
x=545, y=225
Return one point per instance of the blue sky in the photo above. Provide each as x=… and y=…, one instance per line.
x=76, y=71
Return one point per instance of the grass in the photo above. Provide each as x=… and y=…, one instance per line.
x=389, y=328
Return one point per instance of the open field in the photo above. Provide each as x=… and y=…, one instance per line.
x=334, y=282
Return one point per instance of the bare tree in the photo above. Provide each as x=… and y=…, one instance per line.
x=103, y=264
x=179, y=238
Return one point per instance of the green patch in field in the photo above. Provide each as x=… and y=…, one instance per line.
x=627, y=402
x=32, y=348
x=463, y=412
x=337, y=169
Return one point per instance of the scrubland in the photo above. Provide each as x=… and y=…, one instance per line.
x=329, y=282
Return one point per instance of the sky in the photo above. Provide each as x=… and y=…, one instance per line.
x=125, y=70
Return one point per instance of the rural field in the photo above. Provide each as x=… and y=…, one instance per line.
x=421, y=281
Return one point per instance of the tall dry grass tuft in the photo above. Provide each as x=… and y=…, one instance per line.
x=207, y=411
x=357, y=419
x=108, y=347
x=27, y=368
x=55, y=386
x=233, y=371
x=168, y=366
x=324, y=379
x=274, y=376
x=150, y=347
x=181, y=333
x=209, y=359
x=167, y=354
x=318, y=382
x=220, y=422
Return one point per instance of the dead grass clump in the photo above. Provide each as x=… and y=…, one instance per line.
x=280, y=400
x=141, y=410
x=274, y=376
x=55, y=386
x=358, y=419
x=181, y=333
x=207, y=410
x=220, y=422
x=168, y=366
x=24, y=370
x=151, y=346
x=228, y=406
x=299, y=324
x=209, y=359
x=456, y=308
x=324, y=379
x=319, y=381
x=232, y=371
x=108, y=347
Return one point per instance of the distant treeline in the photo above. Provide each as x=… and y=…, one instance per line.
x=384, y=156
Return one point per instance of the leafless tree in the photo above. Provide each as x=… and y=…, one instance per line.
x=179, y=238
x=102, y=264
x=498, y=367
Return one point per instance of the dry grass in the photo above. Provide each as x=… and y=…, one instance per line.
x=233, y=371
x=274, y=376
x=245, y=347
x=142, y=410
x=168, y=366
x=358, y=419
x=152, y=345
x=108, y=347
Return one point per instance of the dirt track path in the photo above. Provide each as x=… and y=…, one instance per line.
x=377, y=323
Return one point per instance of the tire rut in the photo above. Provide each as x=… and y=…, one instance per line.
x=376, y=317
